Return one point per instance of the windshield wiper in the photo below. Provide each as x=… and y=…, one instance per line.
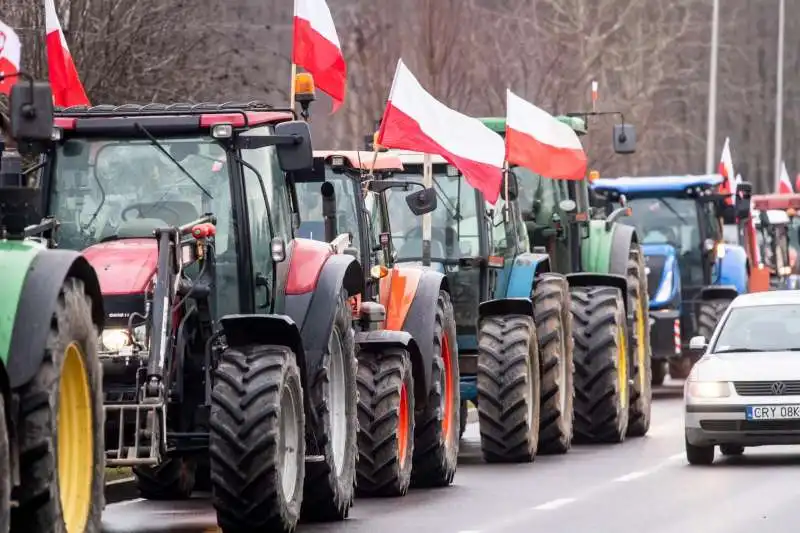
x=168, y=155
x=740, y=350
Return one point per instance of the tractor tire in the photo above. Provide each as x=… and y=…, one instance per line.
x=509, y=390
x=642, y=386
x=385, y=423
x=256, y=440
x=173, y=479
x=5, y=470
x=601, y=366
x=60, y=426
x=463, y=419
x=436, y=438
x=330, y=484
x=708, y=314
x=680, y=368
x=553, y=318
x=659, y=368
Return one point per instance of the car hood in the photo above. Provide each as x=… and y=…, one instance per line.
x=758, y=366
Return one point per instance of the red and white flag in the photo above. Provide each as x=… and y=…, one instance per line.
x=537, y=140
x=728, y=186
x=67, y=87
x=784, y=183
x=10, y=51
x=415, y=120
x=316, y=48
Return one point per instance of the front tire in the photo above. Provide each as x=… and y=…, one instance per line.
x=60, y=426
x=699, y=455
x=257, y=445
x=330, y=484
x=601, y=364
x=642, y=387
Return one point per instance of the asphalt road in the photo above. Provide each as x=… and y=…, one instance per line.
x=642, y=485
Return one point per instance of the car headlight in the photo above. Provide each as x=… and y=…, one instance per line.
x=708, y=389
x=115, y=340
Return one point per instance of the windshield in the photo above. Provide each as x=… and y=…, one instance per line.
x=454, y=224
x=760, y=328
x=309, y=198
x=107, y=189
x=730, y=233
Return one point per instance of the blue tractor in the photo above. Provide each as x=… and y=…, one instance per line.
x=513, y=318
x=693, y=274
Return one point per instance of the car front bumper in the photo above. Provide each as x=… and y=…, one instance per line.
x=723, y=421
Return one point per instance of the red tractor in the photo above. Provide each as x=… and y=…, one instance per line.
x=228, y=351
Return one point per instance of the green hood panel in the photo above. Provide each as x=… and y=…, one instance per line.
x=15, y=260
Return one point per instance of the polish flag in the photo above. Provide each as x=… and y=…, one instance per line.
x=67, y=87
x=316, y=48
x=728, y=186
x=535, y=139
x=784, y=183
x=415, y=120
x=797, y=183
x=10, y=50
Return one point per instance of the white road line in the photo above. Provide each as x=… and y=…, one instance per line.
x=126, y=502
x=555, y=504
x=632, y=476
x=470, y=531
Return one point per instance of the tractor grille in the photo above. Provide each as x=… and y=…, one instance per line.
x=765, y=388
x=655, y=264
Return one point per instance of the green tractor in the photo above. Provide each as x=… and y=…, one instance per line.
x=605, y=269
x=52, y=459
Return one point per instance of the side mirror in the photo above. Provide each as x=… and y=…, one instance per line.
x=315, y=174
x=624, y=138
x=422, y=202
x=31, y=113
x=698, y=343
x=299, y=154
x=513, y=187
x=567, y=206
x=744, y=194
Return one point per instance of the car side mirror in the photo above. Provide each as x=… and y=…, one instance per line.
x=624, y=138
x=698, y=344
x=297, y=155
x=513, y=187
x=422, y=202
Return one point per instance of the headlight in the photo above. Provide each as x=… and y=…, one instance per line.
x=708, y=389
x=115, y=340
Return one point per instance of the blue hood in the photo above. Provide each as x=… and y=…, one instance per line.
x=658, y=249
x=663, y=277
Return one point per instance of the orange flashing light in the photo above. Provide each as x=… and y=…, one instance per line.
x=378, y=272
x=594, y=175
x=304, y=89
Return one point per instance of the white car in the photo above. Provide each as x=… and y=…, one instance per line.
x=745, y=390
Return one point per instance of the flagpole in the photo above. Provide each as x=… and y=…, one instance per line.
x=427, y=181
x=711, y=131
x=779, y=93
x=292, y=88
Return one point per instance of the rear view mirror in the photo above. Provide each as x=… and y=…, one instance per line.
x=624, y=138
x=422, y=202
x=698, y=343
x=744, y=194
x=315, y=174
x=31, y=113
x=513, y=187
x=298, y=155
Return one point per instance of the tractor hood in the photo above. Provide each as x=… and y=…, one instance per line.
x=125, y=266
x=658, y=259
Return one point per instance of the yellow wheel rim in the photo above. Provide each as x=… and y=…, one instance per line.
x=641, y=347
x=75, y=441
x=622, y=365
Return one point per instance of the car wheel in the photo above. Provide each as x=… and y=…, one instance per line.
x=699, y=455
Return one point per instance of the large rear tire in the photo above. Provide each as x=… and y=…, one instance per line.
x=553, y=318
x=5, y=471
x=60, y=426
x=601, y=365
x=659, y=368
x=257, y=445
x=642, y=386
x=385, y=422
x=436, y=437
x=173, y=479
x=330, y=483
x=508, y=389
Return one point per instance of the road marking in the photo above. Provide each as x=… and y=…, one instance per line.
x=470, y=531
x=121, y=481
x=631, y=476
x=126, y=502
x=555, y=504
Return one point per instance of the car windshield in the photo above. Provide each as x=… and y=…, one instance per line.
x=768, y=328
x=309, y=199
x=454, y=224
x=107, y=189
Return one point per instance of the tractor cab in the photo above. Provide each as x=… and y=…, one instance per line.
x=788, y=204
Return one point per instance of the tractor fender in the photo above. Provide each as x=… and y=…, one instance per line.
x=505, y=306
x=621, y=242
x=301, y=272
x=46, y=274
x=718, y=292
x=587, y=279
x=278, y=330
x=524, y=270
x=420, y=319
x=384, y=338
x=313, y=312
x=732, y=268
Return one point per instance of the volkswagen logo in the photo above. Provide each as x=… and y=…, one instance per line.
x=778, y=388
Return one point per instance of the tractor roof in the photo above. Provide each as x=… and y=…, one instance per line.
x=776, y=201
x=122, y=120
x=362, y=160
x=408, y=157
x=655, y=185
x=498, y=124
x=775, y=217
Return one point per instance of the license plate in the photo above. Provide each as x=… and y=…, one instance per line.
x=772, y=412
